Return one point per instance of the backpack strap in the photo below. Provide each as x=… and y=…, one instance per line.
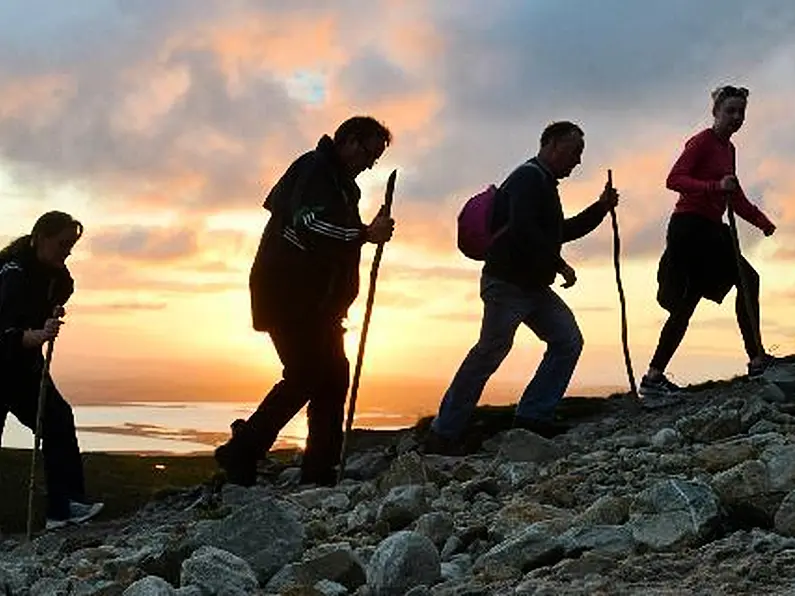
x=505, y=227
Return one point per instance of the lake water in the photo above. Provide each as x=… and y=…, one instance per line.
x=177, y=428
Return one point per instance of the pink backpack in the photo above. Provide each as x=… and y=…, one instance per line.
x=474, y=224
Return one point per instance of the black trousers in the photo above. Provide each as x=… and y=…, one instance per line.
x=316, y=372
x=674, y=329
x=63, y=465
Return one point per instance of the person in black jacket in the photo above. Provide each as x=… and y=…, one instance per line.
x=520, y=267
x=34, y=286
x=304, y=278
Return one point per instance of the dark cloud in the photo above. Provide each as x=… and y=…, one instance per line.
x=371, y=77
x=644, y=241
x=143, y=243
x=623, y=70
x=214, y=134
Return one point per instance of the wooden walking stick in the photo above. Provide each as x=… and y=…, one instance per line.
x=617, y=265
x=45, y=375
x=386, y=209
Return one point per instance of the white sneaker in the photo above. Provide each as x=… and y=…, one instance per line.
x=78, y=513
x=82, y=512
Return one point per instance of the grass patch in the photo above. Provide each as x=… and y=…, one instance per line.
x=125, y=482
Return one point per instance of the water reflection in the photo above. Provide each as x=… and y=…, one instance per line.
x=176, y=427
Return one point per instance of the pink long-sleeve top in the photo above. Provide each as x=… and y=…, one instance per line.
x=696, y=176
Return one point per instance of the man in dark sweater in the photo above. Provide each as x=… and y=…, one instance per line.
x=304, y=278
x=520, y=267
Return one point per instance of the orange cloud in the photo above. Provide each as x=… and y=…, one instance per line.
x=34, y=99
x=152, y=90
x=282, y=43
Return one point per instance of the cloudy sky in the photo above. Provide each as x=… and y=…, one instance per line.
x=161, y=125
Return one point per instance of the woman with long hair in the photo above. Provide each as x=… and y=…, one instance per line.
x=35, y=283
x=699, y=259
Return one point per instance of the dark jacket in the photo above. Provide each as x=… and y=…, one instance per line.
x=698, y=260
x=528, y=254
x=307, y=264
x=29, y=293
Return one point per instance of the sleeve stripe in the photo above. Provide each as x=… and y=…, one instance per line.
x=290, y=235
x=328, y=229
x=10, y=266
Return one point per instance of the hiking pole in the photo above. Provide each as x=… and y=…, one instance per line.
x=742, y=282
x=622, y=300
x=379, y=251
x=45, y=374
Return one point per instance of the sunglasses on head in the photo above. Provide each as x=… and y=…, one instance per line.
x=730, y=91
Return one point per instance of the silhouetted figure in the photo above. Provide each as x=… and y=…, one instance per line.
x=304, y=278
x=699, y=260
x=520, y=267
x=34, y=285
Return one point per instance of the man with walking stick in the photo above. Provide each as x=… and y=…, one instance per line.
x=520, y=266
x=304, y=278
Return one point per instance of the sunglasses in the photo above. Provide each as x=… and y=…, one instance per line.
x=730, y=91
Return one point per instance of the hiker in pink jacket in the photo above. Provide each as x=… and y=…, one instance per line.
x=699, y=261
x=520, y=266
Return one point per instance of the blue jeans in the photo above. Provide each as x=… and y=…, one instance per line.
x=506, y=306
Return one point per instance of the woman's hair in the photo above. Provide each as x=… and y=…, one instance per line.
x=721, y=94
x=48, y=225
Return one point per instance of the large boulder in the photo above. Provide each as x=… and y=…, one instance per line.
x=401, y=562
x=673, y=514
x=267, y=535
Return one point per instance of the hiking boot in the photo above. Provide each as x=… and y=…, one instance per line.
x=240, y=468
x=436, y=444
x=758, y=368
x=548, y=430
x=78, y=513
x=658, y=392
x=658, y=386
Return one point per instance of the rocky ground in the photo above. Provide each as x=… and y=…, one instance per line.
x=696, y=498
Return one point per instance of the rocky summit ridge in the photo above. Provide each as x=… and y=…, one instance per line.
x=695, y=498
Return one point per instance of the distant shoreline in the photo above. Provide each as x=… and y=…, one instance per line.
x=596, y=391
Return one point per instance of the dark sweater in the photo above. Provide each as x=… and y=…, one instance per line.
x=307, y=264
x=528, y=255
x=29, y=293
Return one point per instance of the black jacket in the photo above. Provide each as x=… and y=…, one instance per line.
x=307, y=264
x=528, y=254
x=698, y=260
x=29, y=293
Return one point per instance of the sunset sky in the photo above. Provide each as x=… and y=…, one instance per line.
x=161, y=125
